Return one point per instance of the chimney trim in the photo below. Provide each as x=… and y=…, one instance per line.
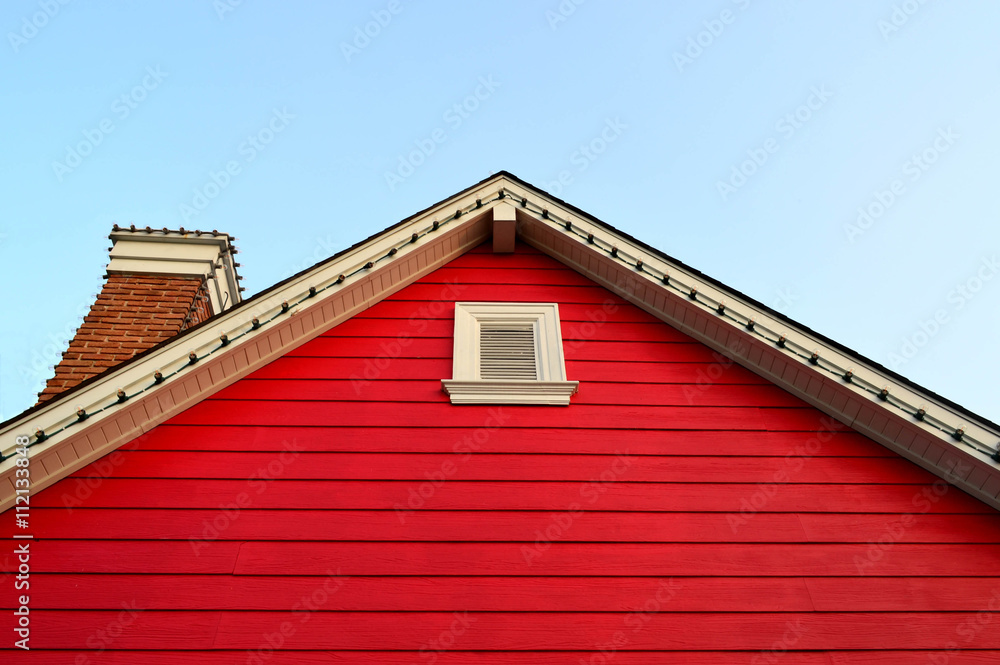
x=156, y=252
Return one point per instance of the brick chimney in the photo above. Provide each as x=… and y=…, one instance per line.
x=159, y=283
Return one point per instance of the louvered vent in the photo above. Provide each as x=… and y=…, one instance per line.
x=507, y=351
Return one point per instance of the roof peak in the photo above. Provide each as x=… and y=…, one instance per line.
x=919, y=425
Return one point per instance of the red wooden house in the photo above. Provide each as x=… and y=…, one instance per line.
x=500, y=431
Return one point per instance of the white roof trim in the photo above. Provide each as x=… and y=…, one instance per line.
x=968, y=466
x=114, y=424
x=539, y=223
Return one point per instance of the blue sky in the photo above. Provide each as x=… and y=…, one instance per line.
x=834, y=160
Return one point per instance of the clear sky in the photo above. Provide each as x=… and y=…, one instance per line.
x=835, y=160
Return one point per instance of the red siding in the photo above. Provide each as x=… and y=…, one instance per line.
x=682, y=509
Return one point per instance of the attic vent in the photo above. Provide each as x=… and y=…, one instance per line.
x=507, y=351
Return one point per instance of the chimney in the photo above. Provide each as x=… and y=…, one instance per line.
x=159, y=283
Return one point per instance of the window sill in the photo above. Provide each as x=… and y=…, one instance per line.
x=552, y=393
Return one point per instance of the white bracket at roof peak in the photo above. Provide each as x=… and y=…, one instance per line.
x=648, y=287
x=504, y=228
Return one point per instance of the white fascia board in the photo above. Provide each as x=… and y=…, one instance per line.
x=968, y=469
x=972, y=470
x=101, y=433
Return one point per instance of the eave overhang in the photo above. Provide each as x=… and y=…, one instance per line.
x=944, y=438
x=200, y=362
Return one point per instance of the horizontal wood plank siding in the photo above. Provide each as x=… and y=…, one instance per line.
x=265, y=654
x=334, y=503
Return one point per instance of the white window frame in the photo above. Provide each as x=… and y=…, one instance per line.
x=467, y=387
